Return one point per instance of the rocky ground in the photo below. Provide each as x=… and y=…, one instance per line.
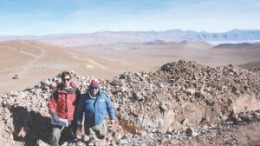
x=183, y=103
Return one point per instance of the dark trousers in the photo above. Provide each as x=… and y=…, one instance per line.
x=69, y=133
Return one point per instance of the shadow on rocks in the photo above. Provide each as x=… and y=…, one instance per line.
x=30, y=127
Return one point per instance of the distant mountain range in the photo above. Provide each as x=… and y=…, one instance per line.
x=109, y=37
x=238, y=46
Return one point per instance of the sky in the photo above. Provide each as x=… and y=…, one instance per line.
x=41, y=17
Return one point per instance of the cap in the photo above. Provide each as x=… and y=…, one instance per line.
x=94, y=84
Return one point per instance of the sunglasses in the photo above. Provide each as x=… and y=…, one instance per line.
x=66, y=79
x=94, y=87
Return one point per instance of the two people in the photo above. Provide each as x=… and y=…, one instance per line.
x=66, y=102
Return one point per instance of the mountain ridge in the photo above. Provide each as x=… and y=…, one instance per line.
x=118, y=37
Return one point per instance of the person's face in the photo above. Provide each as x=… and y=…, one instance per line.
x=94, y=91
x=66, y=81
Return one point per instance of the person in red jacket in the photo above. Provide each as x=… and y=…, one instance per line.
x=62, y=105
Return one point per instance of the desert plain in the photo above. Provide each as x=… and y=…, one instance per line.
x=33, y=61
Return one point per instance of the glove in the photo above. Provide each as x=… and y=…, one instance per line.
x=55, y=117
x=79, y=131
x=112, y=122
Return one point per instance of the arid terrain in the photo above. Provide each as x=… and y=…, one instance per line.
x=33, y=61
x=220, y=101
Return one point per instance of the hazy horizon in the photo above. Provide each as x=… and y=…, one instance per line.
x=84, y=16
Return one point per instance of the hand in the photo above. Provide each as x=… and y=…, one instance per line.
x=55, y=117
x=111, y=127
x=79, y=131
x=112, y=122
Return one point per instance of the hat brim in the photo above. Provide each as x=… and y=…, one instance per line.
x=94, y=86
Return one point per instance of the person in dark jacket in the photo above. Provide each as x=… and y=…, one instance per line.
x=62, y=104
x=96, y=104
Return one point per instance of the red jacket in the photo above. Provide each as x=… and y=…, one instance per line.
x=64, y=101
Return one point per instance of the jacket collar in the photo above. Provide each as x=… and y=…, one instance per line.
x=89, y=94
x=62, y=89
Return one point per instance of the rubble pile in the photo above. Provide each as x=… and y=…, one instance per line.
x=181, y=100
x=186, y=92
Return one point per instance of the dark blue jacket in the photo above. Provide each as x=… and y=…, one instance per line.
x=95, y=109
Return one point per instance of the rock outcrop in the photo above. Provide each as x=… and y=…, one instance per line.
x=179, y=98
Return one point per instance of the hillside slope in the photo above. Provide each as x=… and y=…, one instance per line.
x=33, y=61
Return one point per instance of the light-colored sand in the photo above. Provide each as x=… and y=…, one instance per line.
x=34, y=61
x=154, y=55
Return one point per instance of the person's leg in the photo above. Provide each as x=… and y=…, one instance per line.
x=56, y=134
x=101, y=130
x=73, y=129
x=89, y=131
x=92, y=133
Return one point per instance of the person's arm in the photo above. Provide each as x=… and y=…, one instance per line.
x=110, y=109
x=52, y=101
x=77, y=96
x=79, y=114
x=80, y=110
x=52, y=105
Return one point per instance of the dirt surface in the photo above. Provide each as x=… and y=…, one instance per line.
x=152, y=54
x=33, y=61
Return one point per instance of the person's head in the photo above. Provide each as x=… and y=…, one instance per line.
x=94, y=87
x=66, y=78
